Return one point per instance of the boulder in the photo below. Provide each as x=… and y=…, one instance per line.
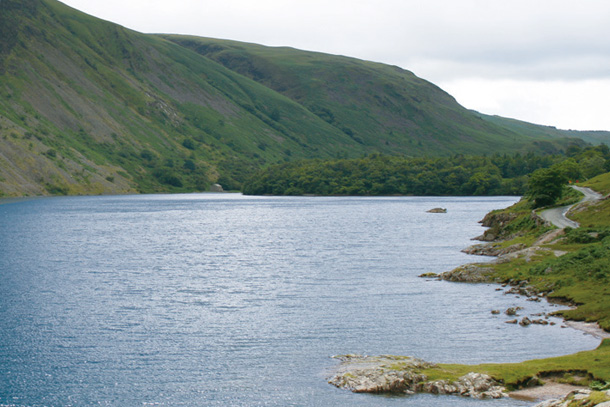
x=469, y=273
x=216, y=188
x=392, y=374
x=437, y=210
x=493, y=249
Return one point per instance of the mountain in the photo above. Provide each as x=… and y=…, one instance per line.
x=90, y=107
x=384, y=106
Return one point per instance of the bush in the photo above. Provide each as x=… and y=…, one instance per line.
x=546, y=186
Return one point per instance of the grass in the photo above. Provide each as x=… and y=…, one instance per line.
x=601, y=184
x=597, y=215
x=583, y=368
x=374, y=104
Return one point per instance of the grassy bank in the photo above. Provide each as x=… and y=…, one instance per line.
x=583, y=368
x=573, y=266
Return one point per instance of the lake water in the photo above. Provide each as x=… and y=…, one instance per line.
x=226, y=300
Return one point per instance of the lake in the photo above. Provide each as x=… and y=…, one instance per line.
x=228, y=300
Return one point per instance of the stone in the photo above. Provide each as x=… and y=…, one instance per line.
x=216, y=188
x=398, y=375
x=512, y=311
x=512, y=321
x=525, y=321
x=577, y=397
x=437, y=210
x=551, y=403
x=469, y=273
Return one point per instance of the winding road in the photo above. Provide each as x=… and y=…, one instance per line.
x=557, y=216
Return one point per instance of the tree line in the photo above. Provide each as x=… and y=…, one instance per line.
x=459, y=175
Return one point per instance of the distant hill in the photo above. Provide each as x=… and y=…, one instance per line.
x=383, y=106
x=89, y=107
x=593, y=137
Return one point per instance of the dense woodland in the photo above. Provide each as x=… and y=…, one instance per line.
x=379, y=174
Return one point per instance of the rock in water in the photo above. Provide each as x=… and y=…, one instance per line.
x=216, y=188
x=437, y=210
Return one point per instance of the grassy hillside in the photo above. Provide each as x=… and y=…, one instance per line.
x=593, y=137
x=376, y=104
x=89, y=107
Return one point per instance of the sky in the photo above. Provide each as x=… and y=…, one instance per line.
x=542, y=61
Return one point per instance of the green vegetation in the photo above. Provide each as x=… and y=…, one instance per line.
x=378, y=105
x=583, y=368
x=574, y=268
x=581, y=275
x=600, y=183
x=389, y=175
x=546, y=186
x=89, y=107
x=543, y=177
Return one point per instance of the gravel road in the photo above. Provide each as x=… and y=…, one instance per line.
x=557, y=216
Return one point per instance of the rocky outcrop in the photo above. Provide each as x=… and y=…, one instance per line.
x=496, y=222
x=578, y=398
x=379, y=374
x=401, y=375
x=437, y=210
x=495, y=250
x=476, y=385
x=469, y=273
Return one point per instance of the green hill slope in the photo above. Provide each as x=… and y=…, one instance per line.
x=518, y=126
x=88, y=107
x=379, y=105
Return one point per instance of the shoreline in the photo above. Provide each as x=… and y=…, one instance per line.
x=363, y=374
x=549, y=389
x=590, y=328
x=10, y=200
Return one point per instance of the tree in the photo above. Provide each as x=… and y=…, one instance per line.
x=546, y=186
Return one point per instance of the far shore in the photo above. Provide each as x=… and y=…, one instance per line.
x=9, y=200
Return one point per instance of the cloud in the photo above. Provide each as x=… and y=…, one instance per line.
x=578, y=105
x=524, y=38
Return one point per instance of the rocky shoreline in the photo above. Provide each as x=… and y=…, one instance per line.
x=402, y=375
x=580, y=397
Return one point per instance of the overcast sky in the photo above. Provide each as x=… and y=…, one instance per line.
x=543, y=61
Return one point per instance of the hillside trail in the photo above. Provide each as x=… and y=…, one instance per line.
x=557, y=216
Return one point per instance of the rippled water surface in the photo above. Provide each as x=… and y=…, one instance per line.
x=220, y=299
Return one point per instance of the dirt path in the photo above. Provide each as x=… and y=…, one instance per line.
x=557, y=216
